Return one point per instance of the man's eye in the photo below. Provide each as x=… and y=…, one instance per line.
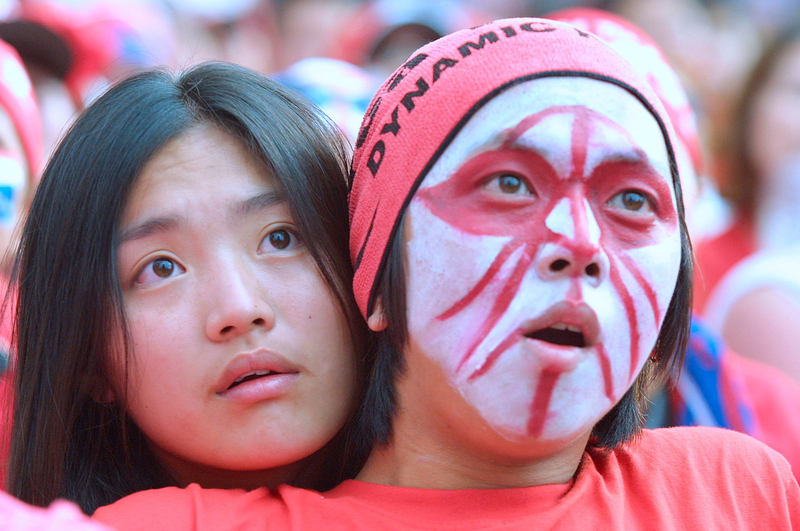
x=158, y=269
x=633, y=201
x=508, y=184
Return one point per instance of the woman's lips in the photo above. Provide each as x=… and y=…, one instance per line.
x=255, y=376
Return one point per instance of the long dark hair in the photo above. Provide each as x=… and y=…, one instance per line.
x=65, y=443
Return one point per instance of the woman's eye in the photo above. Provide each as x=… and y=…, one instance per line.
x=158, y=269
x=633, y=201
x=279, y=240
x=508, y=184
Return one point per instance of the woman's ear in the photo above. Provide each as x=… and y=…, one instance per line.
x=107, y=397
x=102, y=394
x=377, y=319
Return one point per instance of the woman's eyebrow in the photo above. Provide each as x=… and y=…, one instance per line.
x=150, y=227
x=256, y=204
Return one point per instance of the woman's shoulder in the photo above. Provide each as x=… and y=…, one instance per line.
x=61, y=515
x=194, y=507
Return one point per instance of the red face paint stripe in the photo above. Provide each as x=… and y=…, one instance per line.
x=580, y=246
x=646, y=287
x=502, y=303
x=541, y=402
x=605, y=366
x=630, y=312
x=581, y=130
x=512, y=339
x=493, y=270
x=530, y=121
x=575, y=292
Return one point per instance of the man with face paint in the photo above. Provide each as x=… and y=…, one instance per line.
x=519, y=246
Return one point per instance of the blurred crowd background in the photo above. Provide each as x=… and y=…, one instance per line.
x=74, y=48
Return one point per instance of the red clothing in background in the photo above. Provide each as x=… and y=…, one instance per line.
x=6, y=378
x=776, y=400
x=716, y=256
x=672, y=478
x=6, y=403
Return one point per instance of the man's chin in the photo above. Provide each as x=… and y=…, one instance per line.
x=559, y=432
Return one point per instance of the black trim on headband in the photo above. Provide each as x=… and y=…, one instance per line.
x=369, y=233
x=468, y=116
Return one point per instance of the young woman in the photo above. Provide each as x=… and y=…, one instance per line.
x=184, y=307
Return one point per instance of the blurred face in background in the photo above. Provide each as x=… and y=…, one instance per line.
x=774, y=136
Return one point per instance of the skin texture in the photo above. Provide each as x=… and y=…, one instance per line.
x=553, y=206
x=216, y=283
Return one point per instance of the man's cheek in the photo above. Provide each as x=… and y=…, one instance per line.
x=657, y=266
x=443, y=265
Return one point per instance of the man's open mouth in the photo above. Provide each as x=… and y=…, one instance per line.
x=560, y=334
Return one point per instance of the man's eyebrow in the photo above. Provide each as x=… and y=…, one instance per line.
x=150, y=227
x=257, y=203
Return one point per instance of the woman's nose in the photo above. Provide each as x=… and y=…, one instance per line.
x=236, y=305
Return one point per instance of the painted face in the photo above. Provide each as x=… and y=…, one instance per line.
x=242, y=359
x=548, y=232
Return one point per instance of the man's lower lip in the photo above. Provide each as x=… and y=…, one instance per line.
x=557, y=358
x=264, y=388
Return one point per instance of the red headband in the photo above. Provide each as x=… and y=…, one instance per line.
x=18, y=100
x=425, y=103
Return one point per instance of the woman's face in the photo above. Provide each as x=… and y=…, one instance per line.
x=242, y=357
x=549, y=232
x=774, y=135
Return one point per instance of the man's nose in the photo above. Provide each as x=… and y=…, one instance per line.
x=575, y=251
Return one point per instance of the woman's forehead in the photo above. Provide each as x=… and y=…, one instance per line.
x=546, y=114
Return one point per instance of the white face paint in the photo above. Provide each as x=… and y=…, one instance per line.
x=552, y=246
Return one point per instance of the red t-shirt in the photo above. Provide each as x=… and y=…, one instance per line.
x=672, y=478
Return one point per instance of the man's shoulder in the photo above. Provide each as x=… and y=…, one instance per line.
x=705, y=448
x=715, y=465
